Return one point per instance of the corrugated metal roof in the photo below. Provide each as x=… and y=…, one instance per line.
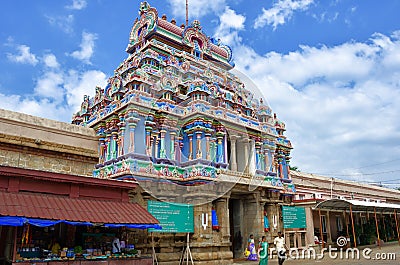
x=81, y=210
x=339, y=204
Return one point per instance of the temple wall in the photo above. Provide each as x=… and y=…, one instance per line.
x=40, y=144
x=30, y=158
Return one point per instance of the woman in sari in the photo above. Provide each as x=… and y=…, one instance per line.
x=252, y=249
x=263, y=251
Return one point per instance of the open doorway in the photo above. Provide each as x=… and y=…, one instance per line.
x=236, y=229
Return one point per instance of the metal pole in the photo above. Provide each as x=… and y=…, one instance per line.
x=187, y=260
x=397, y=225
x=152, y=247
x=187, y=13
x=352, y=225
x=320, y=227
x=384, y=226
x=377, y=230
x=15, y=244
x=346, y=224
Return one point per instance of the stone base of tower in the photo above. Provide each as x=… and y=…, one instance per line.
x=240, y=213
x=201, y=256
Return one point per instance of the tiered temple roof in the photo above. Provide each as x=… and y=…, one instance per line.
x=174, y=108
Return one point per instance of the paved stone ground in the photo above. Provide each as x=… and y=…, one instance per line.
x=388, y=254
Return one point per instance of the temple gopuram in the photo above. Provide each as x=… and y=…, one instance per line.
x=176, y=119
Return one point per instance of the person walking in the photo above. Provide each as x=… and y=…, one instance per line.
x=280, y=247
x=263, y=251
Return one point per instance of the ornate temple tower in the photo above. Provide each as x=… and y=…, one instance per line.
x=177, y=120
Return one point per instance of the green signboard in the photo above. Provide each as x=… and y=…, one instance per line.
x=173, y=217
x=294, y=217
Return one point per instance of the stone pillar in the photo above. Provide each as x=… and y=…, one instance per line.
x=131, y=124
x=102, y=146
x=114, y=146
x=213, y=147
x=162, y=143
x=246, y=156
x=252, y=157
x=198, y=145
x=179, y=149
x=102, y=150
x=257, y=150
x=149, y=143
x=208, y=150
x=152, y=141
x=288, y=167
x=254, y=212
x=222, y=209
x=172, y=145
x=310, y=226
x=156, y=147
x=225, y=147
x=121, y=138
x=233, y=161
x=220, y=155
x=108, y=143
x=190, y=146
x=266, y=160
x=262, y=164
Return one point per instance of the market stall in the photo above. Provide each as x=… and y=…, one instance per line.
x=47, y=229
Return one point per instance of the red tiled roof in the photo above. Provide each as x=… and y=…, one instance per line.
x=219, y=50
x=170, y=27
x=79, y=210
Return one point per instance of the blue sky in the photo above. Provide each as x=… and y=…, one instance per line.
x=329, y=69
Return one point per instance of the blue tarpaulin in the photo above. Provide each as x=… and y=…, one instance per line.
x=20, y=221
x=12, y=221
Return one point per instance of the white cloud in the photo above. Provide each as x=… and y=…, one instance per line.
x=230, y=24
x=62, y=22
x=280, y=12
x=50, y=60
x=50, y=86
x=87, y=47
x=41, y=107
x=23, y=56
x=340, y=104
x=77, y=5
x=79, y=84
x=57, y=95
x=197, y=8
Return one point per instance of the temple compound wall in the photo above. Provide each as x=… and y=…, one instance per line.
x=35, y=143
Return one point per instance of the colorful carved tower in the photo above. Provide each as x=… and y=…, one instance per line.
x=174, y=110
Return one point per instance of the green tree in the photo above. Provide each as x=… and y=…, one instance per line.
x=294, y=168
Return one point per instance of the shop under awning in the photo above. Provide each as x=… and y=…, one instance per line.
x=339, y=204
x=17, y=209
x=361, y=206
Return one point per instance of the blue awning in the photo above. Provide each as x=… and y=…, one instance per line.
x=20, y=221
x=12, y=221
